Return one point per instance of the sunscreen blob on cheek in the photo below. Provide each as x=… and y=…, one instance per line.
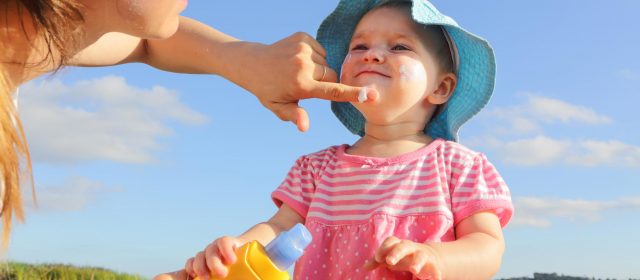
x=413, y=77
x=413, y=71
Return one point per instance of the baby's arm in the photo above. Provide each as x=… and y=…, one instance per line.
x=221, y=252
x=283, y=220
x=476, y=253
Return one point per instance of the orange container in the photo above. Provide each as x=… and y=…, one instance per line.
x=253, y=264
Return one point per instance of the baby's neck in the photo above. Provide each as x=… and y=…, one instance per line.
x=389, y=141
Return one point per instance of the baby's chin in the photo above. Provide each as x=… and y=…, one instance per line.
x=379, y=87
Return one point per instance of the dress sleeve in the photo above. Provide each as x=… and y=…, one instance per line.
x=297, y=188
x=477, y=186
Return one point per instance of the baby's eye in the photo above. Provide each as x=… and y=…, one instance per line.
x=400, y=47
x=359, y=47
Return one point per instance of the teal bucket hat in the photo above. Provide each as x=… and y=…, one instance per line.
x=476, y=67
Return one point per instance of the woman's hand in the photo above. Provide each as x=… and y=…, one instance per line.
x=282, y=74
x=404, y=255
x=279, y=75
x=214, y=259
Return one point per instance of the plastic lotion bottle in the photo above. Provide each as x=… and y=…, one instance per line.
x=256, y=262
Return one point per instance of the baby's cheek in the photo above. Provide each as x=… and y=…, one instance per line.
x=413, y=71
x=347, y=61
x=413, y=78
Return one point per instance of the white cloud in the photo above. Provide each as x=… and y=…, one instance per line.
x=100, y=119
x=629, y=74
x=536, y=151
x=527, y=118
x=73, y=195
x=542, y=150
x=552, y=110
x=540, y=212
x=531, y=147
x=605, y=153
x=524, y=125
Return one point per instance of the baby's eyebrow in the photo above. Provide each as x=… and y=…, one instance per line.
x=404, y=37
x=357, y=36
x=393, y=35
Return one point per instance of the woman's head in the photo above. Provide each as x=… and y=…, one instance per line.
x=67, y=26
x=408, y=63
x=42, y=35
x=29, y=28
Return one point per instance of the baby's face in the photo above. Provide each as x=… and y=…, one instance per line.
x=386, y=53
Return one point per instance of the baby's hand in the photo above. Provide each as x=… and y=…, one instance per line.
x=214, y=259
x=404, y=255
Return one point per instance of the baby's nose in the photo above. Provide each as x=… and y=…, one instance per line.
x=374, y=55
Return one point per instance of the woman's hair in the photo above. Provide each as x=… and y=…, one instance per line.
x=55, y=24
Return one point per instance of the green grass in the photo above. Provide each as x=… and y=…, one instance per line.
x=22, y=271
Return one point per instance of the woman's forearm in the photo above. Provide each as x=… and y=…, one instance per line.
x=194, y=48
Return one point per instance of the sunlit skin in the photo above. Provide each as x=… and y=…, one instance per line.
x=146, y=18
x=377, y=55
x=391, y=56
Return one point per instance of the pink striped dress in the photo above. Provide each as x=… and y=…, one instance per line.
x=351, y=204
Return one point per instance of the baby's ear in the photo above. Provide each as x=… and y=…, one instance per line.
x=444, y=90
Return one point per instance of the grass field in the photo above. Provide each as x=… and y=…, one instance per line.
x=22, y=271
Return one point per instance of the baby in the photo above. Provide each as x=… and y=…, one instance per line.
x=406, y=200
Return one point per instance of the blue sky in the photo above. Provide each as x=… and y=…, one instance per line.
x=137, y=169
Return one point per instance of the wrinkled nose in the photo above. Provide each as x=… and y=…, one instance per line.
x=373, y=55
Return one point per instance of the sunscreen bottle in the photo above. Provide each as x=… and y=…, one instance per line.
x=255, y=262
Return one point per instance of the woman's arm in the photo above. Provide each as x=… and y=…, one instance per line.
x=279, y=75
x=194, y=48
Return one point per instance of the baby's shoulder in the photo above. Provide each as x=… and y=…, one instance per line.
x=451, y=147
x=323, y=156
x=457, y=153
